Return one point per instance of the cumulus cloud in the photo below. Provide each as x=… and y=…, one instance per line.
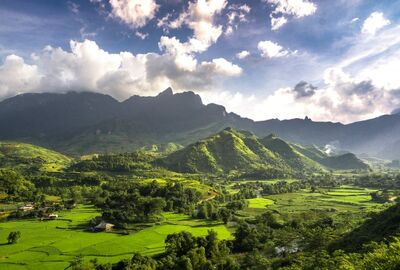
x=87, y=67
x=242, y=54
x=199, y=17
x=289, y=8
x=271, y=49
x=17, y=77
x=135, y=13
x=341, y=98
x=374, y=23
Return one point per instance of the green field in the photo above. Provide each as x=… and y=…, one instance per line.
x=344, y=198
x=259, y=202
x=53, y=244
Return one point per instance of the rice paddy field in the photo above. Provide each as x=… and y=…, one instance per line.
x=54, y=244
x=341, y=199
x=259, y=203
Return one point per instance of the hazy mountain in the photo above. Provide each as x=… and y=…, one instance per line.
x=77, y=123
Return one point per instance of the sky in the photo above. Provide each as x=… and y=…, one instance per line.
x=328, y=60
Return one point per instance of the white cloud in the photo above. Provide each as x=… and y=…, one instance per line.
x=87, y=67
x=289, y=8
x=270, y=49
x=199, y=17
x=374, y=22
x=277, y=23
x=135, y=13
x=242, y=54
x=362, y=84
x=297, y=8
x=223, y=67
x=17, y=77
x=342, y=98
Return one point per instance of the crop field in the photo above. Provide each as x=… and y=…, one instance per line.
x=54, y=244
x=259, y=202
x=230, y=188
x=342, y=199
x=338, y=201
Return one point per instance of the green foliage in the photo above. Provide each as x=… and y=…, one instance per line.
x=229, y=150
x=127, y=162
x=13, y=237
x=15, y=185
x=28, y=157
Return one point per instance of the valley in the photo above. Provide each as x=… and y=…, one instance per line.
x=249, y=194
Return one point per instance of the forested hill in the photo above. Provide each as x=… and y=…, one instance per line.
x=81, y=122
x=231, y=150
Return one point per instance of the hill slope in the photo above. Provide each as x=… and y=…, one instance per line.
x=292, y=157
x=26, y=156
x=242, y=151
x=347, y=161
x=228, y=150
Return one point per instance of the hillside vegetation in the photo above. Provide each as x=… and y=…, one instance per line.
x=22, y=155
x=233, y=150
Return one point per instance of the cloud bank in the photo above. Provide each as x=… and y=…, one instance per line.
x=87, y=67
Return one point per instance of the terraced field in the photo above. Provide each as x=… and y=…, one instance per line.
x=54, y=244
x=345, y=198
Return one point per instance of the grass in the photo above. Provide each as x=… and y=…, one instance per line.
x=54, y=244
x=259, y=202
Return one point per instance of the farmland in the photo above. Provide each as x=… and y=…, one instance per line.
x=54, y=244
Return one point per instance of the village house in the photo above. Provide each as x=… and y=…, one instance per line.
x=27, y=207
x=103, y=226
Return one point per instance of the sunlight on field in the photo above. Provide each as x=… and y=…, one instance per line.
x=53, y=244
x=259, y=202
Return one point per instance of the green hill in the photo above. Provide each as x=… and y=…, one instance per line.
x=346, y=161
x=22, y=156
x=223, y=152
x=232, y=150
x=290, y=155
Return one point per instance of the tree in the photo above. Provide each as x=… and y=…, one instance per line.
x=13, y=237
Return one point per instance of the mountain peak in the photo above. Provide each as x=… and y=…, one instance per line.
x=167, y=92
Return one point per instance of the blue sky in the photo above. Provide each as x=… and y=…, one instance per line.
x=330, y=60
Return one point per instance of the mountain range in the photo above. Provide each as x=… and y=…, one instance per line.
x=83, y=122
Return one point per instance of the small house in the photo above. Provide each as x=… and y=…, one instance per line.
x=103, y=227
x=26, y=208
x=52, y=216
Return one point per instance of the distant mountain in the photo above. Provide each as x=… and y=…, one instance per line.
x=80, y=123
x=243, y=151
